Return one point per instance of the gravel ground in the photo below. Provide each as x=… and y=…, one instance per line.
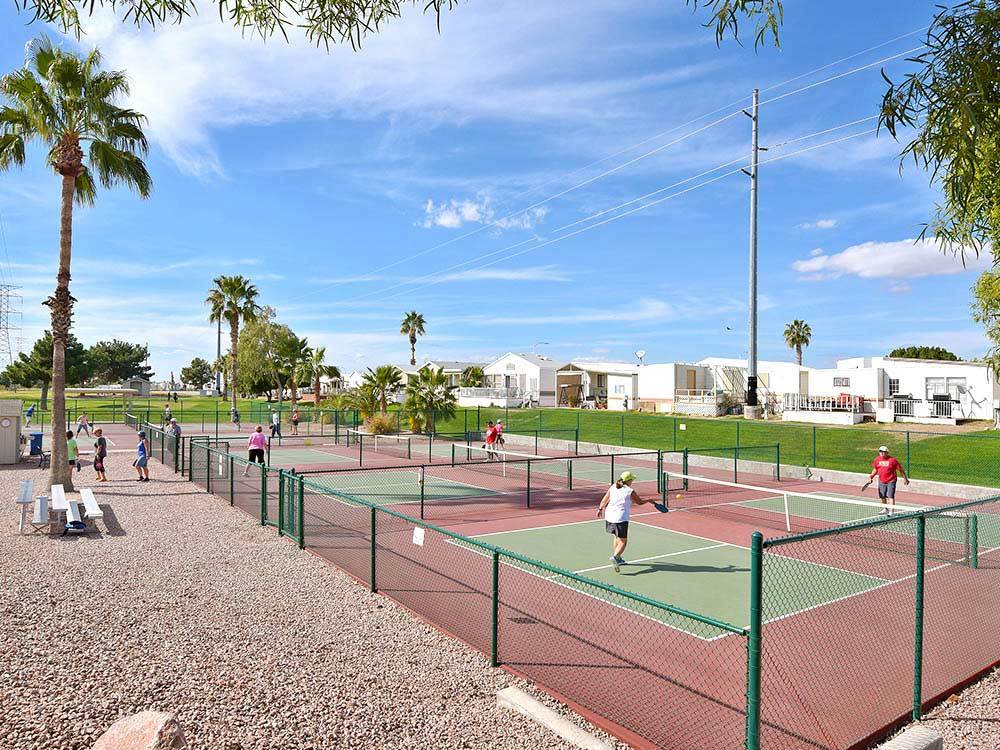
x=185, y=605
x=971, y=719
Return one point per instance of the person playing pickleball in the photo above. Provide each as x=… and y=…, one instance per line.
x=616, y=506
x=886, y=467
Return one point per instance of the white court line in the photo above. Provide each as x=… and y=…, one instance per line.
x=656, y=557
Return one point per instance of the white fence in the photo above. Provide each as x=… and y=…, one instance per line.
x=844, y=402
x=915, y=407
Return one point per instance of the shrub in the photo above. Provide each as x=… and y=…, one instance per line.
x=381, y=424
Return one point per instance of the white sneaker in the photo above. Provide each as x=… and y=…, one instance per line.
x=616, y=564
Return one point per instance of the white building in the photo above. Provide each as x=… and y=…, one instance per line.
x=896, y=390
x=614, y=385
x=452, y=369
x=515, y=380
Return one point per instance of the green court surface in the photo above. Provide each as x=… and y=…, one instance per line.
x=302, y=455
x=694, y=573
x=394, y=486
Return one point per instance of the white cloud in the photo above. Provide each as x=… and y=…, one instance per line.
x=534, y=273
x=899, y=287
x=902, y=259
x=818, y=224
x=454, y=213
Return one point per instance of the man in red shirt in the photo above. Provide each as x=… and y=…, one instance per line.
x=491, y=440
x=886, y=467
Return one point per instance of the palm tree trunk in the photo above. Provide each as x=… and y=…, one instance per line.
x=798, y=354
x=413, y=350
x=316, y=385
x=234, y=340
x=61, y=305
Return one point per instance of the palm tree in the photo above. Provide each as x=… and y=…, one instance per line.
x=364, y=399
x=315, y=369
x=798, y=334
x=430, y=396
x=382, y=381
x=294, y=357
x=473, y=377
x=413, y=326
x=233, y=299
x=64, y=101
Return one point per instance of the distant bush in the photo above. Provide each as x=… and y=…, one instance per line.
x=381, y=424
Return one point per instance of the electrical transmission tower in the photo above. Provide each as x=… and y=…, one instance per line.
x=10, y=323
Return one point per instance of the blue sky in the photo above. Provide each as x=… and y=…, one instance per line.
x=354, y=186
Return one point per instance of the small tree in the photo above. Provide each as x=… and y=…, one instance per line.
x=115, y=361
x=473, y=377
x=364, y=399
x=34, y=368
x=429, y=396
x=411, y=327
x=383, y=381
x=797, y=335
x=924, y=352
x=986, y=310
x=197, y=373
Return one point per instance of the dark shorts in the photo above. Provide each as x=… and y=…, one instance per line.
x=619, y=530
x=295, y=423
x=140, y=463
x=887, y=490
x=257, y=455
x=99, y=463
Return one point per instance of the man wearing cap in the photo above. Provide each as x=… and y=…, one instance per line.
x=616, y=505
x=886, y=467
x=141, y=462
x=175, y=429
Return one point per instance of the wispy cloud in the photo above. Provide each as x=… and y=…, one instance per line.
x=535, y=273
x=643, y=310
x=454, y=213
x=902, y=259
x=818, y=224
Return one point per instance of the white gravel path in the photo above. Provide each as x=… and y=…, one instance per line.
x=186, y=605
x=971, y=719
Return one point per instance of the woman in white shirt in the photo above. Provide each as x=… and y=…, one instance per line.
x=616, y=505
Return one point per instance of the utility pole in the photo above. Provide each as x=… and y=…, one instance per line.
x=218, y=356
x=751, y=410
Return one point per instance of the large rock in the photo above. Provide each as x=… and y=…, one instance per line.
x=148, y=730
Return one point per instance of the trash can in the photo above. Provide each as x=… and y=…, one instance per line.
x=36, y=443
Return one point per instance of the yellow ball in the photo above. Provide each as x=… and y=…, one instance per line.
x=679, y=497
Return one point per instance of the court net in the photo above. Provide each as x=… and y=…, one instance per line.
x=774, y=507
x=392, y=445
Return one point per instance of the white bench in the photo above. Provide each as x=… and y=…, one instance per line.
x=92, y=511
x=40, y=520
x=23, y=501
x=61, y=503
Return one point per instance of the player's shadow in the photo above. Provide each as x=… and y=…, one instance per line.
x=642, y=568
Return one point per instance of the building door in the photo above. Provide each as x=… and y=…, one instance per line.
x=803, y=382
x=692, y=381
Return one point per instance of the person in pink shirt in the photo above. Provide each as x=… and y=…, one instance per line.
x=256, y=446
x=500, y=441
x=886, y=467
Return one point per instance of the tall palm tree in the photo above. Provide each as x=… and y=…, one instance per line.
x=413, y=326
x=383, y=380
x=797, y=335
x=315, y=369
x=473, y=377
x=429, y=396
x=232, y=299
x=65, y=101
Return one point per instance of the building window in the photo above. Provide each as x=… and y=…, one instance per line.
x=620, y=389
x=602, y=380
x=893, y=386
x=950, y=387
x=841, y=382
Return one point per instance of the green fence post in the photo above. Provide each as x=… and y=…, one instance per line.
x=495, y=611
x=814, y=447
x=578, y=424
x=918, y=630
x=777, y=461
x=423, y=494
x=263, y=495
x=190, y=466
x=302, y=515
x=465, y=420
x=754, y=641
x=737, y=434
x=281, y=501
x=736, y=463
x=478, y=418
x=371, y=569
x=673, y=421
x=527, y=485
x=907, y=453
x=576, y=439
x=208, y=469
x=973, y=541
x=232, y=488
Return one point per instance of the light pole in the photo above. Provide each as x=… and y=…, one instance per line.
x=218, y=356
x=751, y=409
x=537, y=344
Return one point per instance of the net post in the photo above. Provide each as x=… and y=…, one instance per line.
x=495, y=612
x=754, y=641
x=302, y=514
x=452, y=454
x=973, y=541
x=409, y=449
x=684, y=469
x=788, y=516
x=421, y=476
x=777, y=461
x=659, y=470
x=371, y=567
x=569, y=475
x=918, y=619
x=232, y=489
x=263, y=495
x=527, y=488
x=281, y=501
